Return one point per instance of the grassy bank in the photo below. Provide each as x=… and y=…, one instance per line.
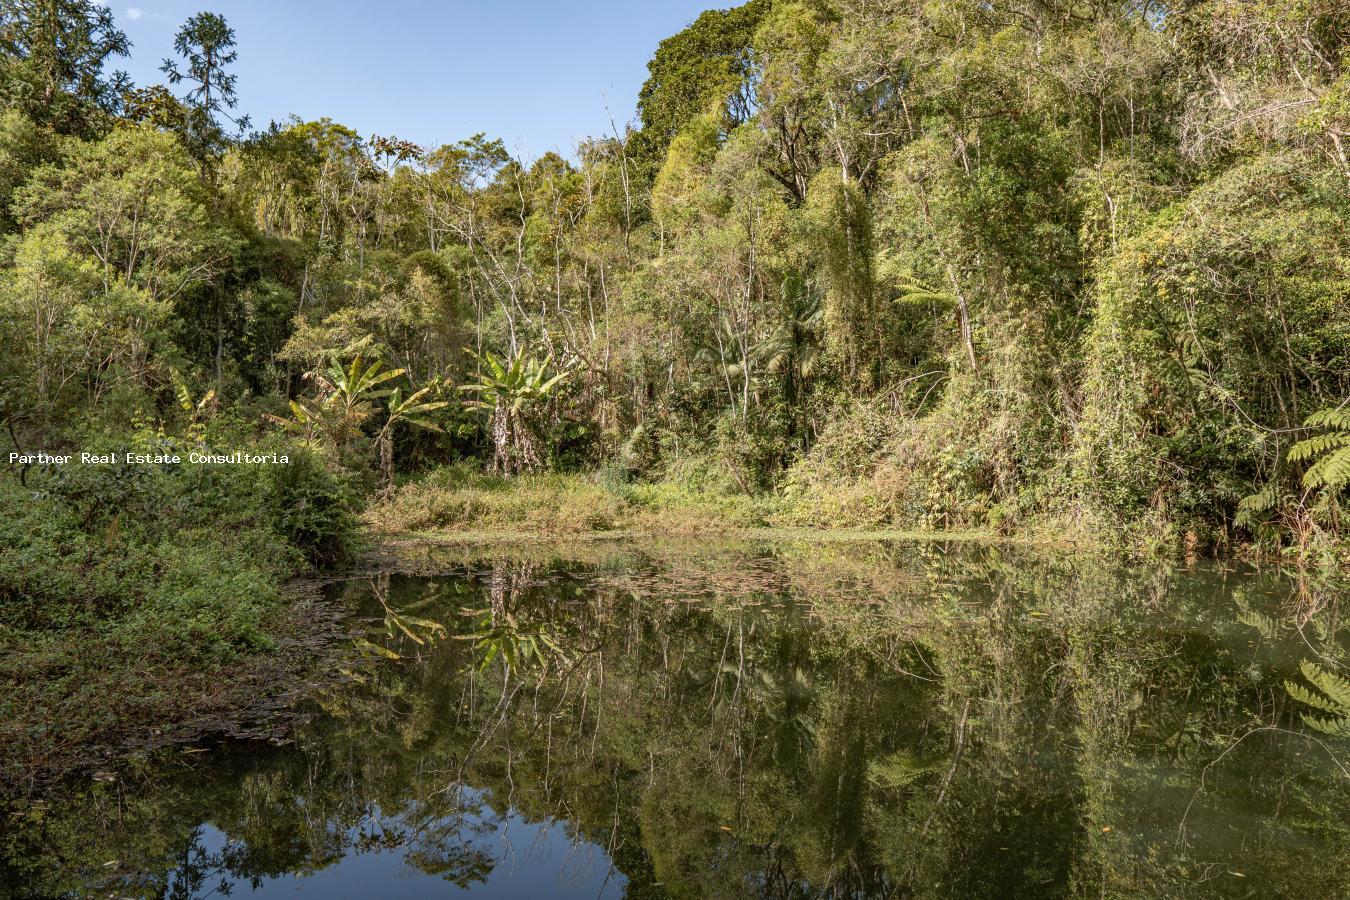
x=464, y=503
x=142, y=605
x=461, y=502
x=457, y=499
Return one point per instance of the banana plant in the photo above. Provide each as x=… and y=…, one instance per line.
x=345, y=401
x=196, y=409
x=410, y=410
x=511, y=392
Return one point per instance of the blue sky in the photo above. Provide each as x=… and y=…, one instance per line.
x=537, y=74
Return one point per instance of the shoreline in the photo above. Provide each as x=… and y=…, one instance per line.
x=768, y=533
x=260, y=696
x=266, y=694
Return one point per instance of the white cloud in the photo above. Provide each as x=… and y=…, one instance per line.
x=134, y=13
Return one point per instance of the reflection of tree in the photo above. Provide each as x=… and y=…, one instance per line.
x=458, y=863
x=973, y=736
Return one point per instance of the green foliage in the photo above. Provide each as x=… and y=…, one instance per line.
x=512, y=392
x=163, y=545
x=344, y=402
x=702, y=69
x=1212, y=323
x=916, y=265
x=1332, y=697
x=206, y=44
x=54, y=56
x=312, y=509
x=148, y=599
x=678, y=190
x=461, y=498
x=856, y=327
x=1330, y=451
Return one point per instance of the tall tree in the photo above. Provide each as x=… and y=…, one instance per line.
x=709, y=63
x=52, y=56
x=206, y=44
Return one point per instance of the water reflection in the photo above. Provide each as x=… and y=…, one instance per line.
x=908, y=720
x=492, y=854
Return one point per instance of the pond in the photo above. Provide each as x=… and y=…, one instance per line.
x=760, y=719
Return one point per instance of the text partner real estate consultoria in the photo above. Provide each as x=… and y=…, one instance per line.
x=233, y=458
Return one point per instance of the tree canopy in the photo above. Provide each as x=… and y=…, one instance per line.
x=1013, y=264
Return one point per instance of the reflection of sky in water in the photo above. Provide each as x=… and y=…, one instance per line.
x=527, y=859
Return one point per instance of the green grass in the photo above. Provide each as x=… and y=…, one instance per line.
x=459, y=499
x=460, y=503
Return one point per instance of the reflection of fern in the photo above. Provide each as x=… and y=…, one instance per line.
x=1334, y=699
x=1331, y=471
x=1263, y=623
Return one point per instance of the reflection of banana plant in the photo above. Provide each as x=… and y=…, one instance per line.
x=504, y=637
x=418, y=630
x=1331, y=697
x=786, y=698
x=783, y=697
x=510, y=392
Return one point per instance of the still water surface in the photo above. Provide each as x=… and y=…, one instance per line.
x=764, y=720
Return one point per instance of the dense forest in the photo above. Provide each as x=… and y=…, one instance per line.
x=1075, y=269
x=1063, y=271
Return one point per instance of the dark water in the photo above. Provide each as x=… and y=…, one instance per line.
x=755, y=720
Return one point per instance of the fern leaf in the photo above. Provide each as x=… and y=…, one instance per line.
x=1319, y=444
x=1333, y=727
x=1262, y=623
x=1316, y=701
x=1330, y=418
x=1331, y=471
x=1337, y=687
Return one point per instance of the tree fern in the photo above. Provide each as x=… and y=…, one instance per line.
x=1332, y=697
x=1331, y=450
x=1338, y=417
